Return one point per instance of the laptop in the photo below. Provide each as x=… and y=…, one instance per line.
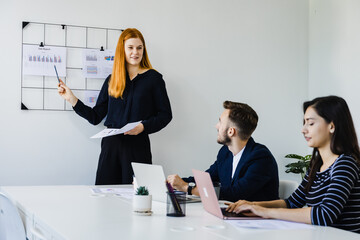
x=153, y=177
x=209, y=199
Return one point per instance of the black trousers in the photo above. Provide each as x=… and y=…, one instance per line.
x=117, y=153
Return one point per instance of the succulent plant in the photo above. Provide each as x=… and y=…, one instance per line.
x=142, y=190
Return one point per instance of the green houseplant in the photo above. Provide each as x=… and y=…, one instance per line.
x=301, y=166
x=142, y=190
x=142, y=200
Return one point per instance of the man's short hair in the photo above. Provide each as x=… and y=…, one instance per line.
x=244, y=118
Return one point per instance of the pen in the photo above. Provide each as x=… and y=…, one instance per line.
x=57, y=74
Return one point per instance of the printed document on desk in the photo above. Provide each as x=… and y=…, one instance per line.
x=268, y=224
x=122, y=192
x=115, y=131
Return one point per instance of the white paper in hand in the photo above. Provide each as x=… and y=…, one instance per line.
x=114, y=131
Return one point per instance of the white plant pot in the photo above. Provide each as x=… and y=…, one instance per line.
x=142, y=203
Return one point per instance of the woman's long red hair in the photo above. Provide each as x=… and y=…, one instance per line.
x=118, y=77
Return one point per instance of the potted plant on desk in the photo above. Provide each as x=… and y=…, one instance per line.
x=142, y=201
x=301, y=166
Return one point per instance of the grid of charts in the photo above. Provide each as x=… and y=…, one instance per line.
x=83, y=57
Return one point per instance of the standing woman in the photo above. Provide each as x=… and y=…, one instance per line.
x=133, y=92
x=331, y=187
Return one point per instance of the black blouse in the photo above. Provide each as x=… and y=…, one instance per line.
x=144, y=99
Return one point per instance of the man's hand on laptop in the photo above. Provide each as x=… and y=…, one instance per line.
x=177, y=183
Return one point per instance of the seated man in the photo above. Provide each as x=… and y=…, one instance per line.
x=246, y=169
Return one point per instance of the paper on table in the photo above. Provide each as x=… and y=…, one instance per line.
x=268, y=224
x=122, y=192
x=114, y=131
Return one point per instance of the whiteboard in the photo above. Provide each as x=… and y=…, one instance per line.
x=40, y=92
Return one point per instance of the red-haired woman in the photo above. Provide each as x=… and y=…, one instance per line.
x=133, y=92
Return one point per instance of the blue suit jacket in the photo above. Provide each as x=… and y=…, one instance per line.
x=255, y=178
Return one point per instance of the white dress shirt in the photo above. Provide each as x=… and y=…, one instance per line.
x=236, y=160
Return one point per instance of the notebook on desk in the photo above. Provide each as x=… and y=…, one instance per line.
x=153, y=177
x=209, y=199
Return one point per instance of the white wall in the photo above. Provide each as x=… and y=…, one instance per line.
x=252, y=51
x=334, y=59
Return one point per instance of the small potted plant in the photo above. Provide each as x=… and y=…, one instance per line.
x=301, y=166
x=142, y=200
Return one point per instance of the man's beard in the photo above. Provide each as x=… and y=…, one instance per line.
x=225, y=140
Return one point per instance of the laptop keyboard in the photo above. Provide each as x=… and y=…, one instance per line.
x=231, y=214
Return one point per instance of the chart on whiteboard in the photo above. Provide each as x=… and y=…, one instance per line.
x=40, y=61
x=97, y=63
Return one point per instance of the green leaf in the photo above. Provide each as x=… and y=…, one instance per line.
x=301, y=166
x=293, y=156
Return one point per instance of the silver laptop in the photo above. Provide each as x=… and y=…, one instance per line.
x=153, y=177
x=209, y=199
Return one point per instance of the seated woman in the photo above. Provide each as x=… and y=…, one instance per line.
x=331, y=187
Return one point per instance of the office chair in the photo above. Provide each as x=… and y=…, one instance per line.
x=11, y=225
x=286, y=188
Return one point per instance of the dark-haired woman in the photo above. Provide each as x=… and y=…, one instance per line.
x=331, y=187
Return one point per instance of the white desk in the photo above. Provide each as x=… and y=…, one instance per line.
x=72, y=213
